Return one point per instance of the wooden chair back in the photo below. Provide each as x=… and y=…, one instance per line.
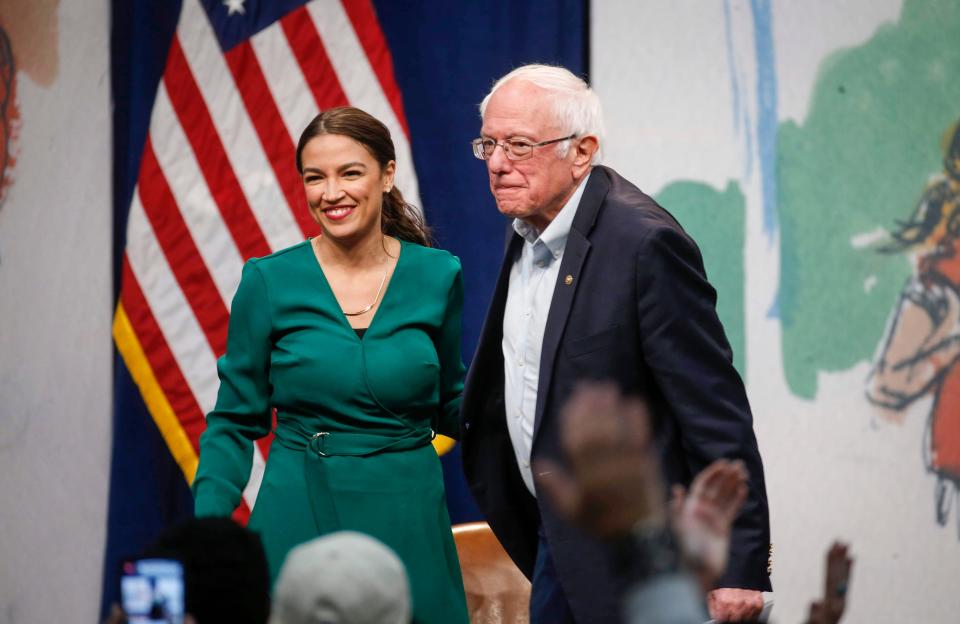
x=497, y=591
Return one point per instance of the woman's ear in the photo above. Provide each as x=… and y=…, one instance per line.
x=389, y=171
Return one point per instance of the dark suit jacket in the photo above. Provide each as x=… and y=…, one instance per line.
x=639, y=311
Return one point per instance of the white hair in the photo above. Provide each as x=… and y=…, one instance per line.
x=576, y=108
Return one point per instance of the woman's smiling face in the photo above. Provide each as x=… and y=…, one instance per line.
x=344, y=185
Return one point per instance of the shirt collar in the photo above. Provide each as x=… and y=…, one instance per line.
x=554, y=238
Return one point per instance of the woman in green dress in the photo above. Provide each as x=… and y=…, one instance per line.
x=354, y=338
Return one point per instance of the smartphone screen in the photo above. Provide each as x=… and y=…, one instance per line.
x=152, y=591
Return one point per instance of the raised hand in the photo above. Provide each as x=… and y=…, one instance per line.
x=614, y=480
x=703, y=518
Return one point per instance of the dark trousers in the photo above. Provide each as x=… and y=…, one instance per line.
x=548, y=605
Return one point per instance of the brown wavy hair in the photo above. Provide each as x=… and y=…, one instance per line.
x=398, y=218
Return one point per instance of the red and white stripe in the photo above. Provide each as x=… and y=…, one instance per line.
x=218, y=184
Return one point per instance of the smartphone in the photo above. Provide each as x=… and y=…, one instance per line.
x=151, y=591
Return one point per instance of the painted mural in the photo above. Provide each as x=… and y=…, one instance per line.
x=850, y=242
x=869, y=142
x=837, y=188
x=28, y=46
x=919, y=354
x=7, y=110
x=812, y=149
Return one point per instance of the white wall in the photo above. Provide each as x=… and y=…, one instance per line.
x=55, y=313
x=665, y=74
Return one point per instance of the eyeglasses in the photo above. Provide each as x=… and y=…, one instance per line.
x=513, y=149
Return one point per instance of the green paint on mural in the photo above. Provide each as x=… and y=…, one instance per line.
x=858, y=164
x=716, y=220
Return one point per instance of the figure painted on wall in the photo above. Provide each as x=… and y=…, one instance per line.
x=920, y=353
x=6, y=107
x=29, y=34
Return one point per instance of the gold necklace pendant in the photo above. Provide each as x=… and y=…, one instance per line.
x=376, y=297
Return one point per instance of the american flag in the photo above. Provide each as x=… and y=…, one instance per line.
x=217, y=184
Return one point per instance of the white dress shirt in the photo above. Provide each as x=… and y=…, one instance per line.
x=533, y=278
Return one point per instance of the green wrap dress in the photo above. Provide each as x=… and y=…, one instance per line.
x=355, y=415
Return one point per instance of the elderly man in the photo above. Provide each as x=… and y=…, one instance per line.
x=598, y=282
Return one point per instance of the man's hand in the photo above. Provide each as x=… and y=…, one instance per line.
x=735, y=605
x=614, y=480
x=703, y=518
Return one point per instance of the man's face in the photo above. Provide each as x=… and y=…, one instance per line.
x=534, y=189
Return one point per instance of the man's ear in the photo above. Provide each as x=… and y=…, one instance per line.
x=585, y=148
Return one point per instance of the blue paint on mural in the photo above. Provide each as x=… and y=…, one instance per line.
x=766, y=111
x=766, y=121
x=741, y=113
x=732, y=62
x=774, y=311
